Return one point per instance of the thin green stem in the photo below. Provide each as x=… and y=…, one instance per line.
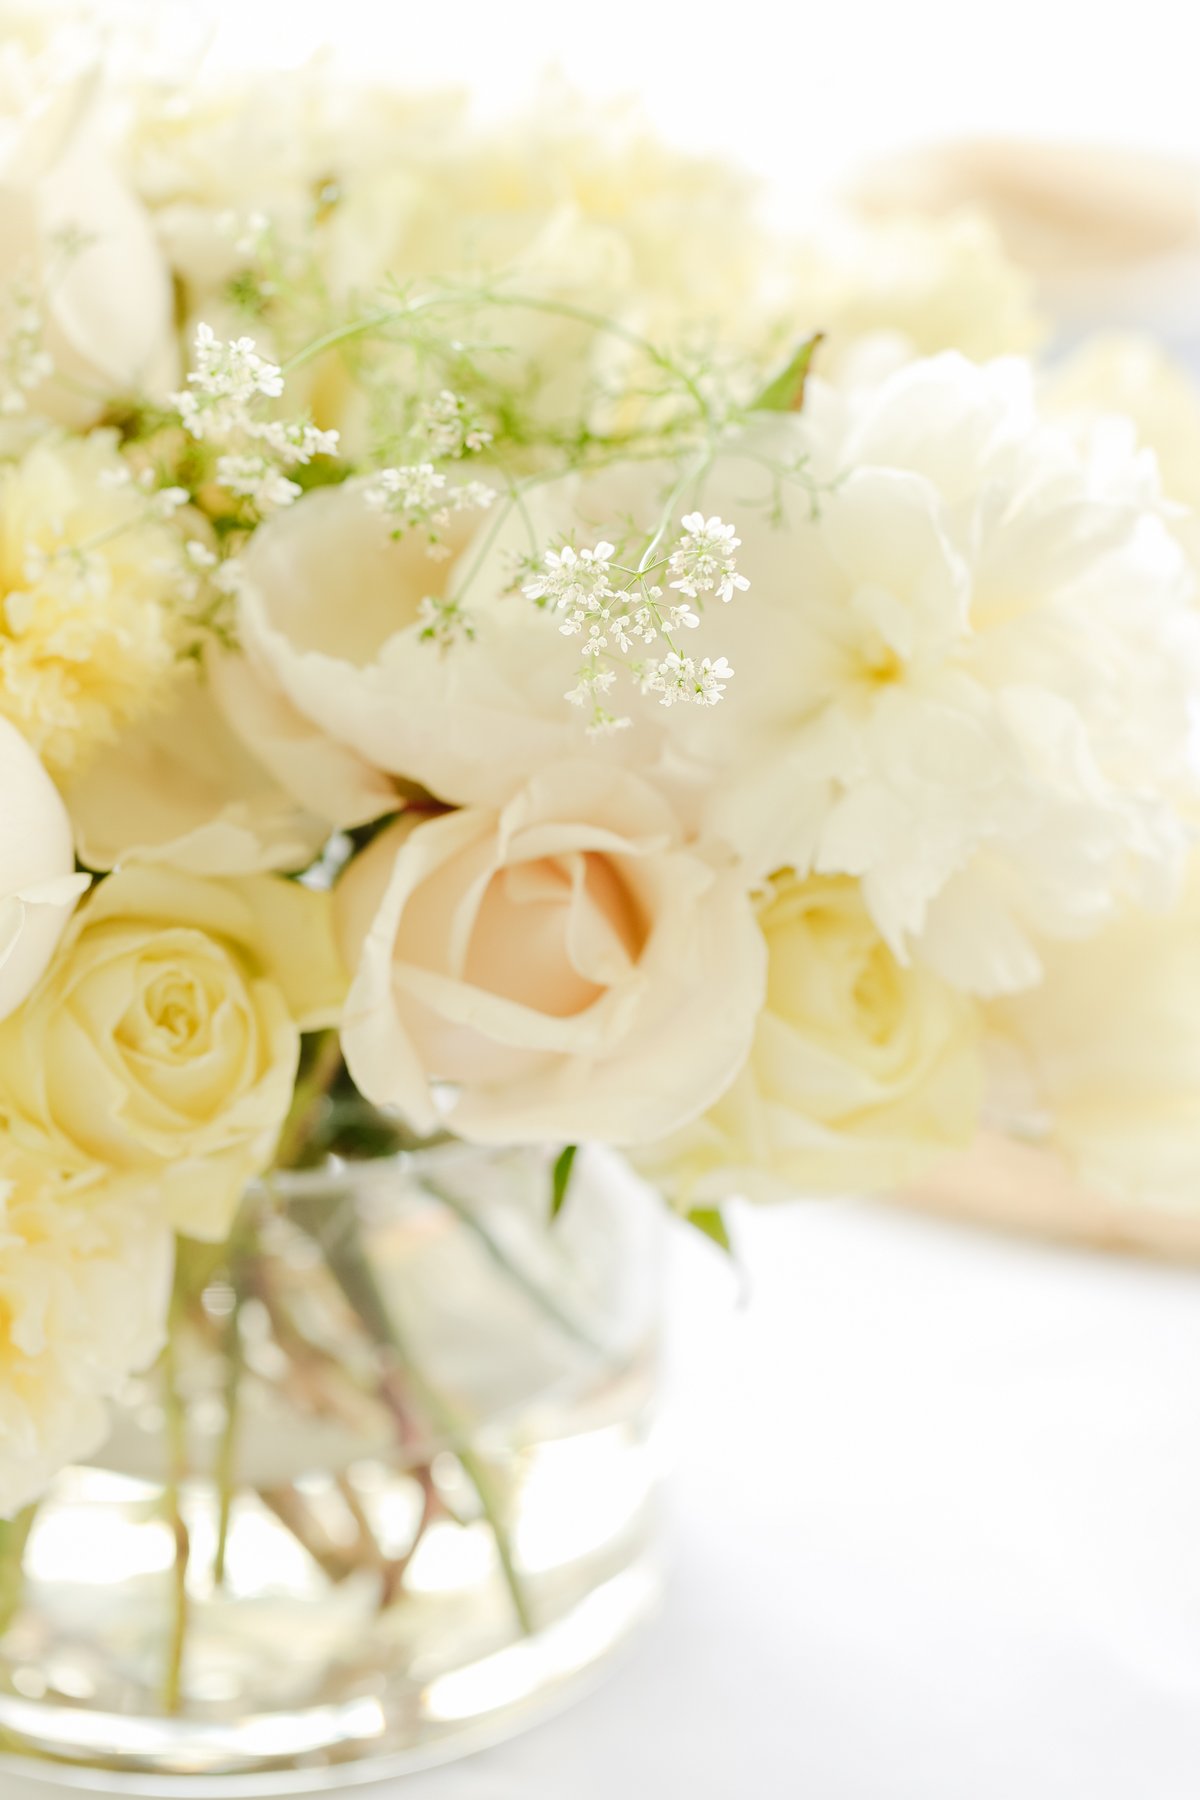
x=226, y=1462
x=337, y=1235
x=563, y=309
x=14, y=1535
x=311, y=1090
x=500, y=1256
x=177, y=1468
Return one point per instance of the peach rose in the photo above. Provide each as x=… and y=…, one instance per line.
x=566, y=965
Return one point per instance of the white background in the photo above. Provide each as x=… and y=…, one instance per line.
x=799, y=91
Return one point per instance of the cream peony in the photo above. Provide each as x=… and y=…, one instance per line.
x=89, y=592
x=566, y=965
x=861, y=1072
x=88, y=294
x=159, y=1053
x=964, y=672
x=38, y=883
x=1108, y=1045
x=85, y=1281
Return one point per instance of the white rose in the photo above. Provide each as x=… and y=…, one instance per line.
x=328, y=618
x=38, y=883
x=862, y=1072
x=1109, y=1043
x=79, y=262
x=565, y=964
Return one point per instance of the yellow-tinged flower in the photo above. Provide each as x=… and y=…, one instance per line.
x=90, y=620
x=862, y=1070
x=85, y=1279
x=157, y=1057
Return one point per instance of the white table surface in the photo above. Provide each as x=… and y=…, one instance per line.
x=937, y=1535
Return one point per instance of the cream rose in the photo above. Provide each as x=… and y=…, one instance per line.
x=861, y=1071
x=38, y=883
x=1107, y=1063
x=78, y=260
x=159, y=1052
x=328, y=618
x=565, y=964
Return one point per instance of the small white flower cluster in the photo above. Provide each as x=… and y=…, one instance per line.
x=217, y=407
x=226, y=381
x=24, y=361
x=419, y=497
x=444, y=622
x=702, y=561
x=678, y=678
x=452, y=427
x=579, y=585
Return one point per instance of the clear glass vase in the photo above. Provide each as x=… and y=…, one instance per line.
x=388, y=1495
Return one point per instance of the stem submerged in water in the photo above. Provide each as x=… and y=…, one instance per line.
x=226, y=1466
x=335, y=1229
x=177, y=1468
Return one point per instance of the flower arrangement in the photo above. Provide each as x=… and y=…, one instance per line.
x=493, y=645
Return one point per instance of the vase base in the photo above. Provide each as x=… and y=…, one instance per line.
x=367, y=1738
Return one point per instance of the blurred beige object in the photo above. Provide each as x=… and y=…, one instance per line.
x=1112, y=235
x=1006, y=1184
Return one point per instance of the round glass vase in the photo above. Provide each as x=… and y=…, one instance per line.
x=387, y=1497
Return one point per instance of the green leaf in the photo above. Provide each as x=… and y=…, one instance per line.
x=710, y=1220
x=561, y=1179
x=785, y=392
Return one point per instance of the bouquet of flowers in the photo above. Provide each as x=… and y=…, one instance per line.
x=492, y=645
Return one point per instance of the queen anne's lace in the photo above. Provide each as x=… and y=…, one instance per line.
x=220, y=405
x=617, y=609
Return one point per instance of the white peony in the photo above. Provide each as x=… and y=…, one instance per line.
x=38, y=883
x=85, y=1282
x=964, y=671
x=566, y=967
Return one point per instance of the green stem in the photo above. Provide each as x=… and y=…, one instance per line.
x=500, y=1256
x=337, y=1235
x=176, y=1433
x=311, y=1090
x=226, y=1464
x=562, y=309
x=14, y=1535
